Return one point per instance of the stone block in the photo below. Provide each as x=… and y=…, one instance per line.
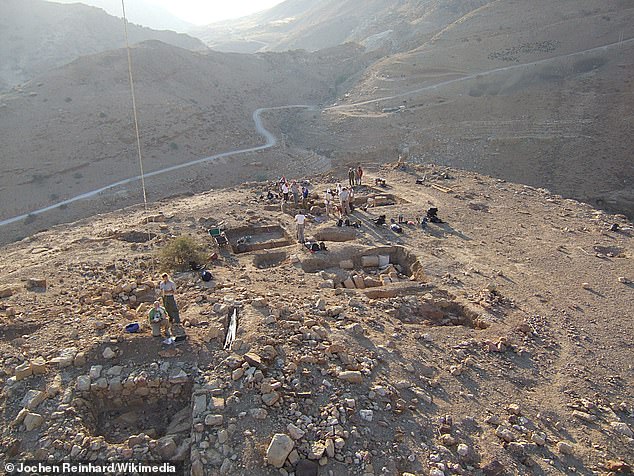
x=23, y=371
x=33, y=398
x=352, y=376
x=214, y=420
x=370, y=261
x=33, y=421
x=280, y=447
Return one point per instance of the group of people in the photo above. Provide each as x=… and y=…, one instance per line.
x=355, y=175
x=293, y=188
x=166, y=317
x=340, y=202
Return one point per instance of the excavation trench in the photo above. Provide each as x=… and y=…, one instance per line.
x=381, y=272
x=439, y=311
x=120, y=411
x=248, y=238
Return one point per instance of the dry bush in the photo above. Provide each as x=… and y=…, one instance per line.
x=181, y=254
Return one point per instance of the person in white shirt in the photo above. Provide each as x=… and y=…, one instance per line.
x=328, y=201
x=168, y=288
x=344, y=198
x=300, y=220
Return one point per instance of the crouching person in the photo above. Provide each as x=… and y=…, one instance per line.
x=158, y=320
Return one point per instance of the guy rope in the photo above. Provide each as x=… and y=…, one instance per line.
x=134, y=110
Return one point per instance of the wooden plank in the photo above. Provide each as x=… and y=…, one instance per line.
x=441, y=188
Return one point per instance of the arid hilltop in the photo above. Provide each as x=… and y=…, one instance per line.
x=496, y=342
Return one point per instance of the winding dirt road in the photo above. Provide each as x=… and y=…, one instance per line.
x=271, y=140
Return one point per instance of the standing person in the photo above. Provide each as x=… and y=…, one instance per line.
x=295, y=192
x=328, y=201
x=284, y=188
x=305, y=196
x=344, y=197
x=359, y=174
x=168, y=288
x=351, y=199
x=158, y=320
x=351, y=176
x=300, y=219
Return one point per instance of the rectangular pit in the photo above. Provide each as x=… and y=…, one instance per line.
x=248, y=238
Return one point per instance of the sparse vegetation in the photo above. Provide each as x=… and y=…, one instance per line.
x=179, y=253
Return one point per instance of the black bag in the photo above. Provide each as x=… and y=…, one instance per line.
x=206, y=276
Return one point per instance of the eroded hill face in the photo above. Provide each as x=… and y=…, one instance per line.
x=516, y=90
x=495, y=342
x=72, y=131
x=37, y=36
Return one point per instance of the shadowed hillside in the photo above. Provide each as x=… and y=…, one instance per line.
x=71, y=131
x=36, y=36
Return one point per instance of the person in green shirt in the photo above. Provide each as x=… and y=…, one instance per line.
x=158, y=320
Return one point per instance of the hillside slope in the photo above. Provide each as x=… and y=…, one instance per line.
x=390, y=26
x=524, y=91
x=71, y=130
x=36, y=36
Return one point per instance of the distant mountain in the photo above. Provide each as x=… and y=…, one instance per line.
x=391, y=25
x=36, y=36
x=140, y=12
x=70, y=129
x=450, y=86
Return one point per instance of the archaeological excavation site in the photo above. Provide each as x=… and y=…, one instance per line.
x=448, y=348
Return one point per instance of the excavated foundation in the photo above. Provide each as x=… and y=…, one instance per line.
x=432, y=311
x=381, y=272
x=247, y=238
x=375, y=197
x=136, y=236
x=370, y=259
x=120, y=411
x=269, y=259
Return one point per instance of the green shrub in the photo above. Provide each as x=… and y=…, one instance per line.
x=179, y=253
